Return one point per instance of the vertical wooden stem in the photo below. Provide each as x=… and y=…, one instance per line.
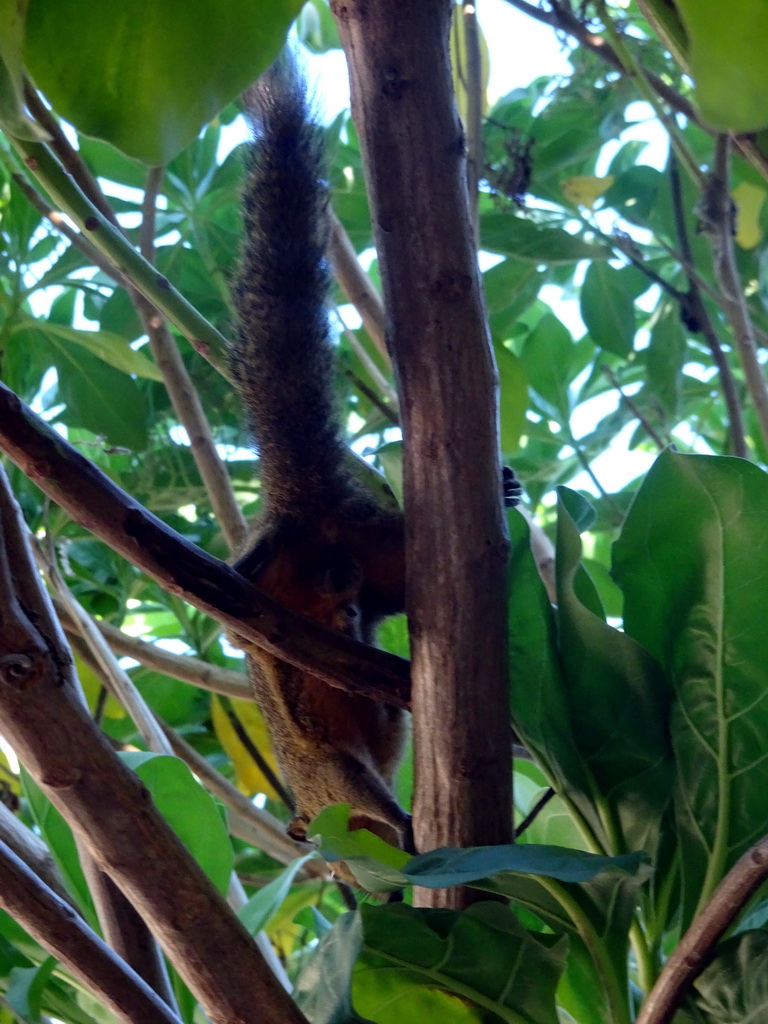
x=413, y=153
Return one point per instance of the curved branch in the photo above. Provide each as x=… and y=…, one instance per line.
x=694, y=949
x=60, y=929
x=99, y=505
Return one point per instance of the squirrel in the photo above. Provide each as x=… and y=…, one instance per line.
x=322, y=545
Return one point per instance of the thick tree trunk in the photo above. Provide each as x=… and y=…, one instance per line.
x=413, y=152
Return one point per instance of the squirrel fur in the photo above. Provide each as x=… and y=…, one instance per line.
x=322, y=545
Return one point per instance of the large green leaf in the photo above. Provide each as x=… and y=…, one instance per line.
x=618, y=701
x=146, y=76
x=112, y=349
x=692, y=561
x=411, y=959
x=189, y=810
x=726, y=54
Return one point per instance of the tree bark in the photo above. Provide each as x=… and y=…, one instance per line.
x=456, y=542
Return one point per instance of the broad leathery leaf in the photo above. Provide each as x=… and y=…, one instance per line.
x=459, y=58
x=189, y=810
x=410, y=955
x=607, y=309
x=537, y=685
x=265, y=902
x=692, y=561
x=147, y=76
x=595, y=913
x=511, y=287
x=586, y=189
x=521, y=238
x=323, y=990
x=513, y=398
x=13, y=118
x=749, y=200
x=110, y=348
x=618, y=702
x=250, y=778
x=726, y=56
x=733, y=987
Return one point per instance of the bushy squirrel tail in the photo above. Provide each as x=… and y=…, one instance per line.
x=281, y=359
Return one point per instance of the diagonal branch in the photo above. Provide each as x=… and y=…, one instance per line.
x=109, y=809
x=61, y=930
x=97, y=504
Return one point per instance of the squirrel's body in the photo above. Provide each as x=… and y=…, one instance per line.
x=322, y=546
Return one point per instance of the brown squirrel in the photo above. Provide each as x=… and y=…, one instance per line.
x=322, y=546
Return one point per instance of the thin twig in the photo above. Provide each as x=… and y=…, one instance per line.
x=562, y=19
x=534, y=812
x=717, y=212
x=180, y=666
x=181, y=391
x=356, y=285
x=633, y=408
x=381, y=382
x=697, y=318
x=694, y=949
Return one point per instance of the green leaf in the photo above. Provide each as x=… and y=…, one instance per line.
x=111, y=348
x=726, y=54
x=513, y=398
x=693, y=564
x=13, y=117
x=25, y=989
x=189, y=810
x=149, y=76
x=101, y=398
x=665, y=358
x=607, y=309
x=323, y=988
x=733, y=987
x=547, y=360
x=521, y=238
x=618, y=702
x=374, y=862
x=264, y=903
x=410, y=957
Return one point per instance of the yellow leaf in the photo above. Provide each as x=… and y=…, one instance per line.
x=91, y=685
x=250, y=778
x=749, y=201
x=585, y=189
x=459, y=64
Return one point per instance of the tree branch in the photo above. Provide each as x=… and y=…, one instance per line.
x=694, y=949
x=97, y=504
x=181, y=391
x=717, y=213
x=61, y=930
x=108, y=808
x=356, y=284
x=180, y=666
x=456, y=545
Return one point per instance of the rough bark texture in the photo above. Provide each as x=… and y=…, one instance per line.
x=413, y=152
